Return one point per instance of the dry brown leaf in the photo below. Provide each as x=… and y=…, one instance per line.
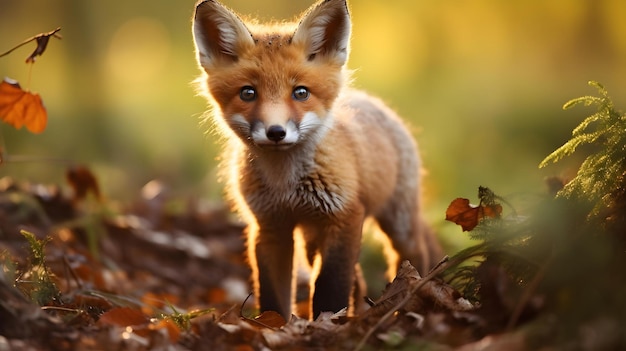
x=89, y=272
x=267, y=319
x=153, y=303
x=299, y=332
x=83, y=181
x=21, y=108
x=461, y=212
x=123, y=317
x=173, y=330
x=42, y=43
x=433, y=295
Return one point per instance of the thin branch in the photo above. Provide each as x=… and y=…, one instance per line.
x=42, y=42
x=440, y=267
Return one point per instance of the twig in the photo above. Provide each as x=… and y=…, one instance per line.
x=243, y=304
x=252, y=320
x=64, y=309
x=230, y=309
x=42, y=42
x=440, y=267
x=69, y=268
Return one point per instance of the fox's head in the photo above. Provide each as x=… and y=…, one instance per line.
x=273, y=85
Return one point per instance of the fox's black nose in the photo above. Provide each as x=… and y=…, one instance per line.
x=276, y=133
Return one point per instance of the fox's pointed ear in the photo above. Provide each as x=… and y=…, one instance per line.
x=325, y=31
x=220, y=35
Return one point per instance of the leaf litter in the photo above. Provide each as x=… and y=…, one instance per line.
x=174, y=279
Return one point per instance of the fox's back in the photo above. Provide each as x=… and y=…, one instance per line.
x=385, y=155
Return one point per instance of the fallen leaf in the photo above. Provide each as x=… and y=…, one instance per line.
x=461, y=212
x=94, y=302
x=217, y=295
x=173, y=331
x=83, y=181
x=153, y=303
x=90, y=272
x=123, y=317
x=21, y=108
x=433, y=295
x=301, y=334
x=267, y=319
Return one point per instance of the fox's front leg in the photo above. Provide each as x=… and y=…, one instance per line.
x=339, y=254
x=273, y=247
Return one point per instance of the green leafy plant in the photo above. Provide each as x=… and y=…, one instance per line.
x=565, y=251
x=183, y=319
x=602, y=173
x=37, y=281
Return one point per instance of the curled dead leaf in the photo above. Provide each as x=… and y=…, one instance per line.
x=21, y=108
x=461, y=212
x=42, y=43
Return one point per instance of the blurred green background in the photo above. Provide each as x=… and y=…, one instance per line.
x=482, y=82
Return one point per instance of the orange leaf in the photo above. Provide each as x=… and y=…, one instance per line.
x=461, y=212
x=21, y=108
x=152, y=302
x=91, y=273
x=268, y=319
x=123, y=317
x=173, y=331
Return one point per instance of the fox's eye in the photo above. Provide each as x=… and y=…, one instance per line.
x=301, y=93
x=247, y=93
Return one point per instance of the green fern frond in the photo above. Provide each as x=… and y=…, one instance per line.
x=587, y=122
x=585, y=100
x=38, y=281
x=600, y=173
x=37, y=248
x=570, y=147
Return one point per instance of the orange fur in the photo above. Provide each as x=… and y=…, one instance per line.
x=304, y=151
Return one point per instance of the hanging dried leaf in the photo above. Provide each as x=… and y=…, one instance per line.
x=42, y=43
x=21, y=108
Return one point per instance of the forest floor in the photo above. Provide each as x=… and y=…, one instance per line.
x=170, y=274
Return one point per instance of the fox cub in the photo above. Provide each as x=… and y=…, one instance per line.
x=304, y=152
